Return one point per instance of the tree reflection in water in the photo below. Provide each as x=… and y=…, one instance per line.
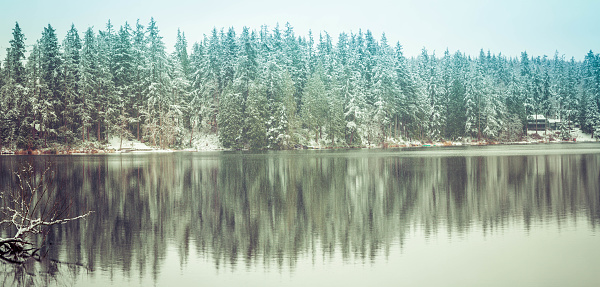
x=273, y=208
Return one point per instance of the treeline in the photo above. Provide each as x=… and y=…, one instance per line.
x=274, y=89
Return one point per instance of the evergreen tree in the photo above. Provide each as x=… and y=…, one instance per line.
x=273, y=89
x=15, y=55
x=214, y=80
x=123, y=75
x=456, y=96
x=229, y=55
x=289, y=103
x=231, y=120
x=198, y=105
x=590, y=95
x=16, y=116
x=51, y=77
x=160, y=117
x=256, y=118
x=70, y=89
x=140, y=76
x=314, y=104
x=384, y=90
x=88, y=83
x=104, y=102
x=181, y=54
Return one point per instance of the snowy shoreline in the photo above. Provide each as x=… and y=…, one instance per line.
x=209, y=145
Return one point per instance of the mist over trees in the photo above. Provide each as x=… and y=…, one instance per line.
x=270, y=88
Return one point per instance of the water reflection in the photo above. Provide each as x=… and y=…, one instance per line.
x=273, y=208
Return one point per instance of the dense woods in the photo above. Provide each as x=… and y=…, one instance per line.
x=270, y=88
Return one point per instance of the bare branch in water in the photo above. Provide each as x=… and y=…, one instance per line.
x=27, y=209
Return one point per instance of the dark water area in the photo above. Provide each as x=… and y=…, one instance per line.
x=454, y=216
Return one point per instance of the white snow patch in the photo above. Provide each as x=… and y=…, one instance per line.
x=206, y=142
x=582, y=137
x=576, y=133
x=115, y=144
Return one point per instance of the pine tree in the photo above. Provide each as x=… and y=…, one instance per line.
x=140, y=76
x=159, y=115
x=256, y=122
x=124, y=64
x=180, y=74
x=231, y=120
x=88, y=82
x=71, y=91
x=455, y=127
x=246, y=70
x=590, y=95
x=51, y=77
x=181, y=54
x=105, y=108
x=198, y=104
x=14, y=68
x=214, y=81
x=16, y=118
x=289, y=103
x=384, y=91
x=314, y=104
x=229, y=55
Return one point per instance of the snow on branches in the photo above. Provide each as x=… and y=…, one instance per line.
x=27, y=210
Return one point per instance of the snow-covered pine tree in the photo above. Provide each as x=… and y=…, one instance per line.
x=16, y=116
x=15, y=56
x=198, y=109
x=180, y=75
x=590, y=95
x=103, y=102
x=256, y=119
x=314, y=104
x=229, y=56
x=160, y=115
x=459, y=67
x=123, y=75
x=88, y=82
x=214, y=81
x=385, y=91
x=289, y=104
x=140, y=77
x=51, y=76
x=231, y=120
x=473, y=101
x=71, y=123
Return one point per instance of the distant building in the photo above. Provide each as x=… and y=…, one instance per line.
x=554, y=124
x=541, y=123
x=537, y=123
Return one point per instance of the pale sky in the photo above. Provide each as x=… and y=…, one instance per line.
x=508, y=26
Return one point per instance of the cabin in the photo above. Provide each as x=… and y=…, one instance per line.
x=537, y=123
x=541, y=123
x=554, y=124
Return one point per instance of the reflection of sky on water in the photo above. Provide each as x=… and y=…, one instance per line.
x=305, y=217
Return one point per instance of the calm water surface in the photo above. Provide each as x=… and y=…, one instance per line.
x=459, y=216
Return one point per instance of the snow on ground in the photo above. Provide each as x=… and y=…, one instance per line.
x=206, y=142
x=582, y=137
x=115, y=144
x=576, y=133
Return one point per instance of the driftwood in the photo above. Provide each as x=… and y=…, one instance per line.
x=27, y=210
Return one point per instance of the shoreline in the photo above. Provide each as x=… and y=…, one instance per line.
x=61, y=150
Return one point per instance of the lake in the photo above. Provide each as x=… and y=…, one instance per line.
x=522, y=215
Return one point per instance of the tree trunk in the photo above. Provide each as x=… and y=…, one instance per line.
x=192, y=136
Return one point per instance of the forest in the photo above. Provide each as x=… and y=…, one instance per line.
x=272, y=89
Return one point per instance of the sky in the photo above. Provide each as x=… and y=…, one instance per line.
x=508, y=27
